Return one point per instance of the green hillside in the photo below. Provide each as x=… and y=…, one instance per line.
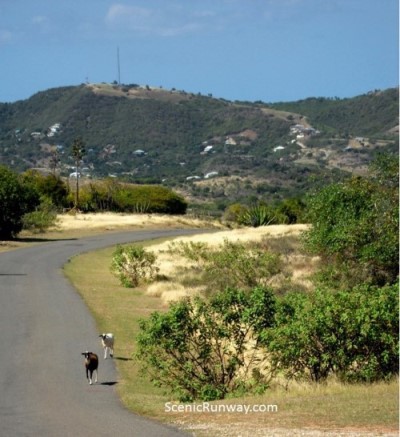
x=372, y=114
x=207, y=148
x=168, y=131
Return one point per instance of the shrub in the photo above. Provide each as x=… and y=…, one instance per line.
x=50, y=187
x=198, y=349
x=111, y=195
x=44, y=217
x=258, y=215
x=233, y=212
x=291, y=211
x=355, y=227
x=133, y=264
x=353, y=334
x=16, y=199
x=152, y=199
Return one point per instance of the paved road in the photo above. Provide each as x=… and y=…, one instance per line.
x=44, y=326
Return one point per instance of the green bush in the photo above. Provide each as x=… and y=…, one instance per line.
x=353, y=334
x=258, y=215
x=154, y=199
x=198, y=349
x=355, y=227
x=43, y=218
x=233, y=212
x=16, y=199
x=291, y=211
x=50, y=187
x=133, y=265
x=111, y=195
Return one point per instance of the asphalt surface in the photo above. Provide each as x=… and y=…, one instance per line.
x=44, y=327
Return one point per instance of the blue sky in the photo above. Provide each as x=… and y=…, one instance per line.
x=269, y=50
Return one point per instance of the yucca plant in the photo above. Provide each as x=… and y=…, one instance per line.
x=257, y=215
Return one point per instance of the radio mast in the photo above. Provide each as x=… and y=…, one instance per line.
x=118, y=67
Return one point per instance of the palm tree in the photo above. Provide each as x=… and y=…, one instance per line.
x=78, y=151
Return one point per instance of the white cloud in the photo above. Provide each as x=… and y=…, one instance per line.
x=166, y=21
x=133, y=17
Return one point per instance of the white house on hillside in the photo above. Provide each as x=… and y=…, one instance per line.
x=210, y=174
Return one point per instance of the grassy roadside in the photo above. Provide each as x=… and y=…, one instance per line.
x=117, y=309
x=334, y=406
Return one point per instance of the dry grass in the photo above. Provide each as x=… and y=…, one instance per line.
x=179, y=277
x=307, y=410
x=114, y=221
x=80, y=225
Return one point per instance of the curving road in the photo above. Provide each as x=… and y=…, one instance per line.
x=44, y=326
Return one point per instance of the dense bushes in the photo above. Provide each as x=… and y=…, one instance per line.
x=352, y=334
x=199, y=348
x=52, y=192
x=44, y=216
x=32, y=200
x=16, y=199
x=29, y=201
x=111, y=195
x=355, y=227
x=50, y=188
x=106, y=195
x=237, y=340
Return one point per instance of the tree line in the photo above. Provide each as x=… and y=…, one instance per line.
x=32, y=201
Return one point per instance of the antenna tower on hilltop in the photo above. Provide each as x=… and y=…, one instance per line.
x=118, y=66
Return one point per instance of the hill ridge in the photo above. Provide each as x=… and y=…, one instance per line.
x=150, y=134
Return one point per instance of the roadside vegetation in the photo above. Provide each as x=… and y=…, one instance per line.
x=346, y=325
x=31, y=201
x=310, y=315
x=302, y=404
x=247, y=327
